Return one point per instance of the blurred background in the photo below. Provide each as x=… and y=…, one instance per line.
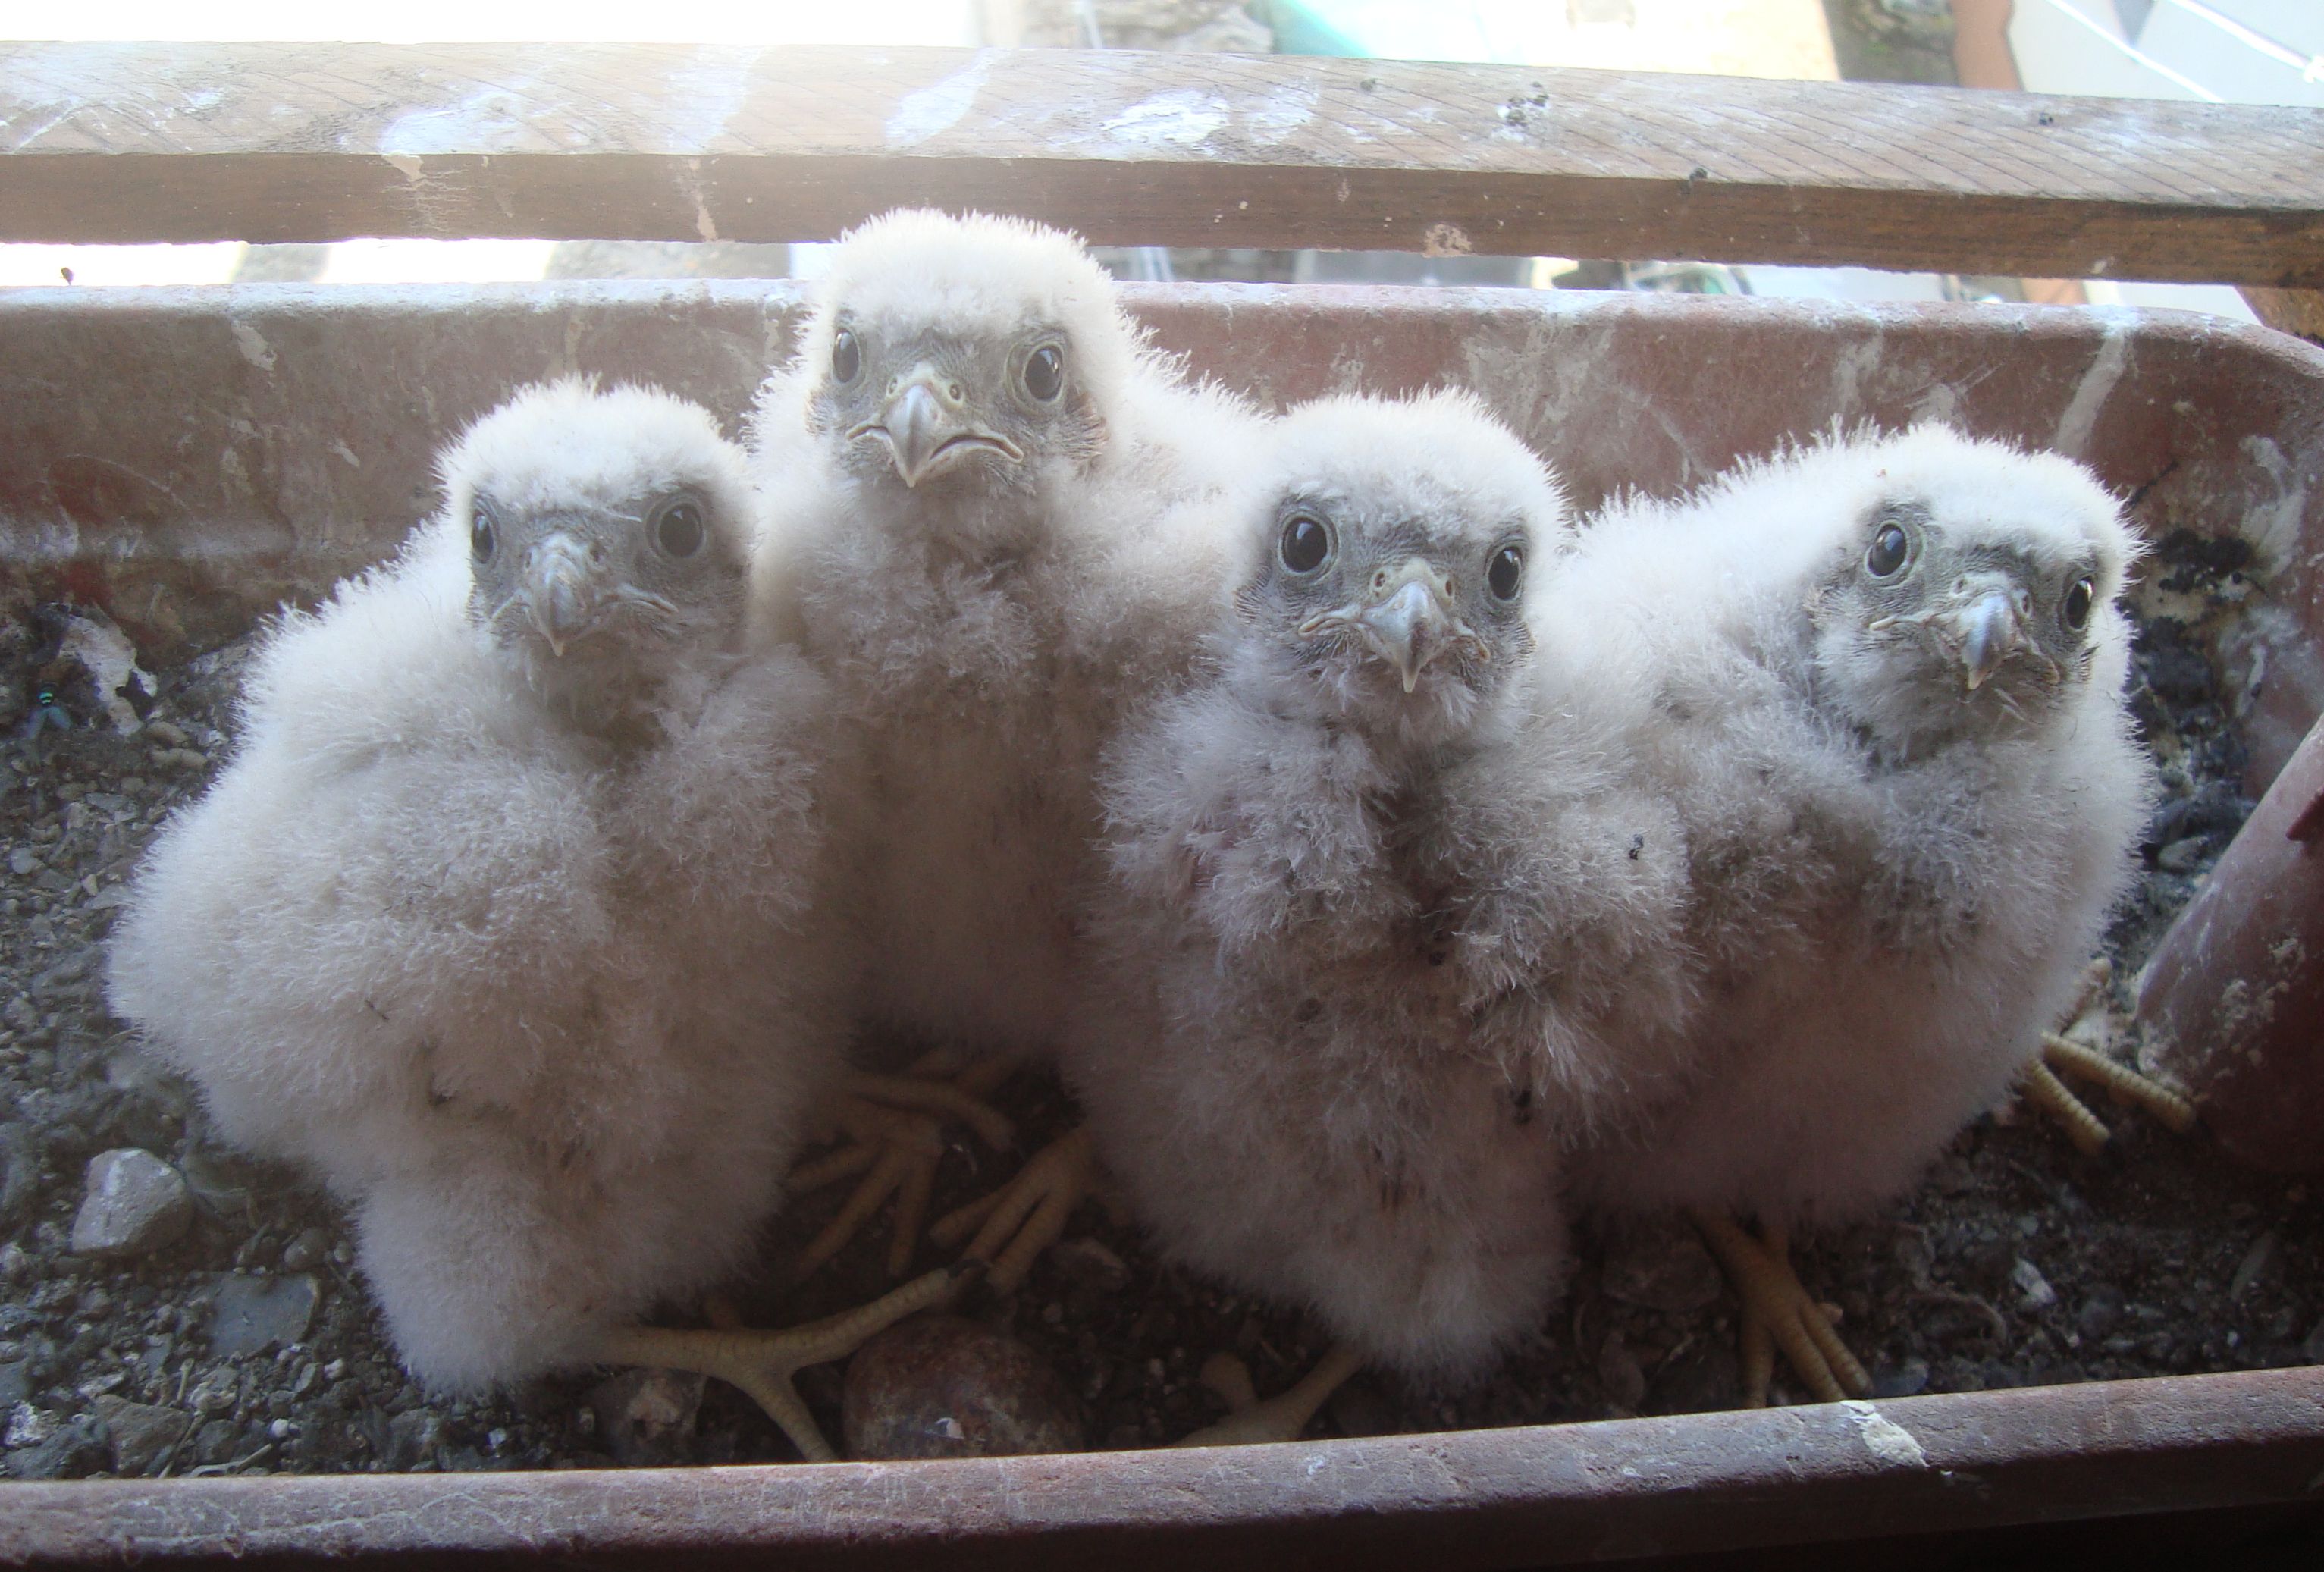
x=2252, y=51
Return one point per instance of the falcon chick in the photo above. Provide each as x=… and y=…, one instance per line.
x=991, y=571
x=987, y=487
x=1377, y=889
x=1888, y=678
x=504, y=920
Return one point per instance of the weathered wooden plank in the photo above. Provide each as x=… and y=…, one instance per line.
x=119, y=143
x=1691, y=1485
x=2299, y=311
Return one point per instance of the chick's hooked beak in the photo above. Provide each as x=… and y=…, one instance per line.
x=1407, y=620
x=1984, y=624
x=929, y=429
x=561, y=590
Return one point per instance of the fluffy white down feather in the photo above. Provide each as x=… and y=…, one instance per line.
x=545, y=1011
x=989, y=627
x=1361, y=952
x=1898, y=880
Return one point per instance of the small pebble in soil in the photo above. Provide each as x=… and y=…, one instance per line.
x=1620, y=1374
x=67, y=1451
x=217, y=1393
x=251, y=1314
x=1909, y=1379
x=141, y=1435
x=939, y=1386
x=647, y=1416
x=132, y=1204
x=1661, y=1263
x=2033, y=1290
x=309, y=1251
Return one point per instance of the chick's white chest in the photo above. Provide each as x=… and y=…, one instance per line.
x=981, y=812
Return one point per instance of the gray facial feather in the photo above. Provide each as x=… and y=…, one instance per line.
x=1891, y=648
x=1371, y=538
x=984, y=395
x=596, y=600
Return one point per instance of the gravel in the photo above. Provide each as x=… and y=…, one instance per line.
x=646, y=1417
x=238, y=1340
x=132, y=1204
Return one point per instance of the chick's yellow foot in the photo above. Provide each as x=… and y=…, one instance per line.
x=896, y=1143
x=1281, y=1418
x=2089, y=1061
x=2124, y=1084
x=2041, y=1086
x=901, y=1153
x=1013, y=1225
x=1779, y=1313
x=762, y=1362
x=959, y=1095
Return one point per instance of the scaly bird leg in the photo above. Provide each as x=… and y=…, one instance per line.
x=2125, y=1083
x=1029, y=1214
x=897, y=1150
x=2088, y=1061
x=1792, y=1319
x=1280, y=1418
x=2046, y=1092
x=762, y=1362
x=951, y=1098
x=904, y=1150
x=2042, y=1088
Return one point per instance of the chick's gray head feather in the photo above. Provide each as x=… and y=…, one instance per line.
x=962, y=357
x=608, y=539
x=1394, y=544
x=1974, y=595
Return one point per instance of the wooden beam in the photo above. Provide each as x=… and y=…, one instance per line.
x=313, y=142
x=2101, y=1463
x=2297, y=311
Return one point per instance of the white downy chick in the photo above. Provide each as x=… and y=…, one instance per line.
x=993, y=559
x=1888, y=696
x=502, y=921
x=1378, y=893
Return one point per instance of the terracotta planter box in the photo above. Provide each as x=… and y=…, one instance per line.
x=188, y=460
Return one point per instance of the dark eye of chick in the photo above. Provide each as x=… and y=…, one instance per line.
x=1889, y=548
x=1306, y=542
x=846, y=357
x=1506, y=573
x=1045, y=372
x=2080, y=595
x=678, y=528
x=480, y=538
